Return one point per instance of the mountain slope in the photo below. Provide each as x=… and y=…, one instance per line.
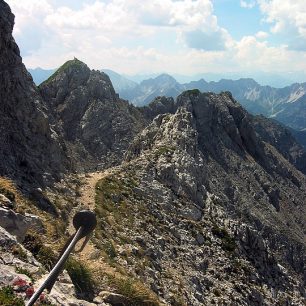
x=162, y=85
x=213, y=213
x=206, y=204
x=120, y=83
x=293, y=114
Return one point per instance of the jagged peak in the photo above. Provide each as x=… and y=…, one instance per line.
x=161, y=79
x=70, y=66
x=165, y=76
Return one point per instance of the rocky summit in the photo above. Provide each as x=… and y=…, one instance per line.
x=96, y=125
x=198, y=202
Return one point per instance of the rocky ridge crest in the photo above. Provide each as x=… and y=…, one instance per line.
x=228, y=207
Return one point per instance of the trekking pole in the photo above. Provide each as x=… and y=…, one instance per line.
x=84, y=222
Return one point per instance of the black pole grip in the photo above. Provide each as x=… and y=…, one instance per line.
x=87, y=219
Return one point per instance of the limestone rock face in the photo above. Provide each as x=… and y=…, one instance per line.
x=96, y=125
x=173, y=140
x=208, y=207
x=30, y=150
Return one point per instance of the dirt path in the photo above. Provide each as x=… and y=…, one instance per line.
x=90, y=255
x=88, y=190
x=88, y=193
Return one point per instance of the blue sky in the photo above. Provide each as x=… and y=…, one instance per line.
x=186, y=37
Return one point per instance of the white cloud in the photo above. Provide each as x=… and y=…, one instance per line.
x=133, y=36
x=29, y=26
x=288, y=18
x=262, y=35
x=246, y=4
x=134, y=18
x=253, y=54
x=29, y=12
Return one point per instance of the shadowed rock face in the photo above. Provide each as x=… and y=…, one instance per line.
x=30, y=150
x=160, y=105
x=281, y=138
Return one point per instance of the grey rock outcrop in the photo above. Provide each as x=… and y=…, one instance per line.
x=18, y=224
x=159, y=106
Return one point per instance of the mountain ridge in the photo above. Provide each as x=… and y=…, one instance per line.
x=210, y=163
x=258, y=99
x=198, y=202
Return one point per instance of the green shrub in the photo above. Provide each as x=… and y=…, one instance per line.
x=164, y=150
x=9, y=194
x=8, y=188
x=110, y=249
x=227, y=242
x=81, y=278
x=71, y=63
x=192, y=92
x=178, y=300
x=19, y=252
x=112, y=196
x=9, y=298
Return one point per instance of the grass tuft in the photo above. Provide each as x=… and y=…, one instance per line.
x=9, y=298
x=134, y=291
x=81, y=277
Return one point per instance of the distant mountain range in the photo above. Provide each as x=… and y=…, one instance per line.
x=287, y=104
x=39, y=75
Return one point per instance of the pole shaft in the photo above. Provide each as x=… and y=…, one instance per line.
x=57, y=268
